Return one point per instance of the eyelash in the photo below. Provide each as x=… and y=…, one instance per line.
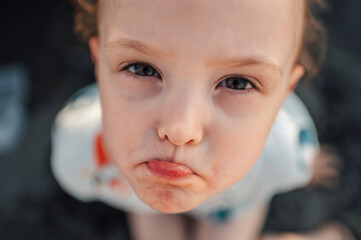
x=220, y=84
x=136, y=76
x=249, y=85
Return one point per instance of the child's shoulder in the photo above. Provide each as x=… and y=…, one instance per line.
x=72, y=141
x=291, y=146
x=82, y=107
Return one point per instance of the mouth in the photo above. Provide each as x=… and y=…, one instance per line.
x=168, y=170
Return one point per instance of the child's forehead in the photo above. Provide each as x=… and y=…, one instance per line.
x=261, y=25
x=195, y=10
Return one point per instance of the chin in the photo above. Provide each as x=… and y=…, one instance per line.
x=170, y=208
x=168, y=200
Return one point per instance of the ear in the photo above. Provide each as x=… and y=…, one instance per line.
x=94, y=48
x=296, y=74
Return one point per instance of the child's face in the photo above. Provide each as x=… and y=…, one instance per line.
x=190, y=89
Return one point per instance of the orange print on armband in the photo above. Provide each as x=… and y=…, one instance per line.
x=106, y=175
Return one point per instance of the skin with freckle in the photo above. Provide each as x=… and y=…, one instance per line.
x=189, y=112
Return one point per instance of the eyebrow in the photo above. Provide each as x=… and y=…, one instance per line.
x=241, y=62
x=233, y=63
x=137, y=46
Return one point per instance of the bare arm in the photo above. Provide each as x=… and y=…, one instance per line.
x=248, y=228
x=330, y=231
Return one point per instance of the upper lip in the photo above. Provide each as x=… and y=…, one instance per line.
x=172, y=160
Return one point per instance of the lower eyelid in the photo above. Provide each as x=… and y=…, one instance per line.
x=246, y=91
x=138, y=77
x=131, y=74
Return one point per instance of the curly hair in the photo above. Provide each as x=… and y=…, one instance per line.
x=311, y=54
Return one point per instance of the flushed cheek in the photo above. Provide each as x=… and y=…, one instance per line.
x=228, y=172
x=122, y=136
x=234, y=152
x=125, y=118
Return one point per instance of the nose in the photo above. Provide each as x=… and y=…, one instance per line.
x=182, y=121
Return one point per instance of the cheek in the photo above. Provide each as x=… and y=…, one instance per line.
x=237, y=143
x=237, y=155
x=124, y=127
x=116, y=134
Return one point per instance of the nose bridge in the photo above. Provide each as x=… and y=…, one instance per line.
x=183, y=116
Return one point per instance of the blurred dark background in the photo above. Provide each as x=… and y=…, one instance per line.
x=37, y=41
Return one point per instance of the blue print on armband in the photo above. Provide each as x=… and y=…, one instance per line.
x=221, y=216
x=307, y=136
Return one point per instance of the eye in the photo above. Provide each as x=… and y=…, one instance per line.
x=236, y=83
x=142, y=69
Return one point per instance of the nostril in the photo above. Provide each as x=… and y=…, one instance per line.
x=162, y=135
x=165, y=137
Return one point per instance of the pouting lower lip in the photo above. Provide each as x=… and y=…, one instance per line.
x=168, y=170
